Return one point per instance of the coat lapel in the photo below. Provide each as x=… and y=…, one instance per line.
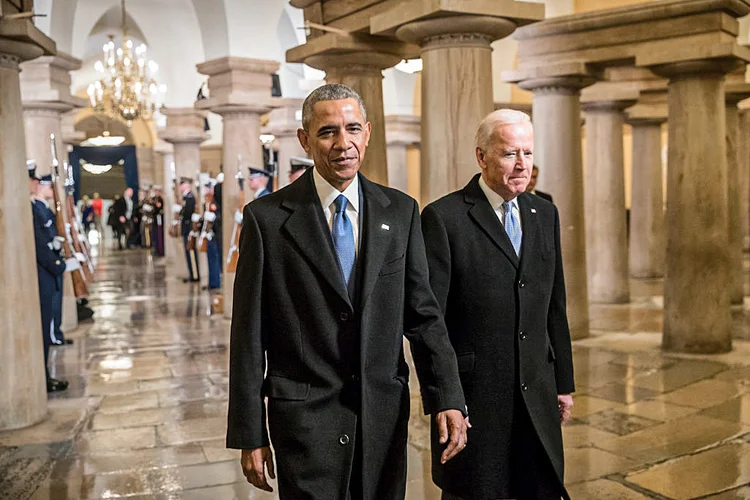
x=375, y=237
x=530, y=227
x=307, y=227
x=484, y=216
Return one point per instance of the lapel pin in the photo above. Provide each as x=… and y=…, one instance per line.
x=533, y=210
x=386, y=227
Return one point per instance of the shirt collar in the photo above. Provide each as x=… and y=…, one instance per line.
x=39, y=198
x=495, y=199
x=328, y=193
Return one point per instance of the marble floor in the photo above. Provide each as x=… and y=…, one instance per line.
x=144, y=416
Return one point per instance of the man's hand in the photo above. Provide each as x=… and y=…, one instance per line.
x=452, y=429
x=122, y=219
x=565, y=405
x=253, y=463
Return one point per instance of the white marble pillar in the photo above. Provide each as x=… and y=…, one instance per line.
x=458, y=46
x=240, y=91
x=604, y=199
x=283, y=122
x=401, y=131
x=45, y=90
x=23, y=396
x=743, y=158
x=698, y=271
x=557, y=151
x=647, y=238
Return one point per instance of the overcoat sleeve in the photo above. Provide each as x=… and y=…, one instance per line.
x=246, y=427
x=557, y=322
x=434, y=358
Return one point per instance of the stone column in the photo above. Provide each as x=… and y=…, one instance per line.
x=23, y=396
x=734, y=94
x=45, y=90
x=647, y=200
x=283, y=124
x=240, y=91
x=400, y=131
x=363, y=71
x=185, y=132
x=696, y=292
x=460, y=47
x=557, y=140
x=743, y=157
x=604, y=190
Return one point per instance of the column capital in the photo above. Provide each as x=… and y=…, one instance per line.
x=47, y=79
x=456, y=31
x=282, y=120
x=560, y=79
x=238, y=81
x=184, y=125
x=642, y=114
x=698, y=68
x=736, y=92
x=403, y=129
x=352, y=54
x=608, y=105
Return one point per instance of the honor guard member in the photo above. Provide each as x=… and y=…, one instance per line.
x=258, y=182
x=157, y=229
x=50, y=265
x=297, y=167
x=188, y=209
x=212, y=222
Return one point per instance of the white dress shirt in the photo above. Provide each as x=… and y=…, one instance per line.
x=129, y=208
x=328, y=194
x=496, y=202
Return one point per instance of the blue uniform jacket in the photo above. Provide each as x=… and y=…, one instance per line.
x=49, y=262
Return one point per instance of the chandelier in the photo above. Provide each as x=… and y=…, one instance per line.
x=126, y=88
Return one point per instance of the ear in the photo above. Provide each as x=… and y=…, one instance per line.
x=368, y=131
x=304, y=139
x=480, y=158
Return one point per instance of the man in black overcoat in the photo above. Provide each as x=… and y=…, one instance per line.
x=331, y=276
x=496, y=270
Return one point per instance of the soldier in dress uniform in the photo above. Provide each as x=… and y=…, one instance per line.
x=298, y=166
x=258, y=182
x=50, y=265
x=188, y=210
x=212, y=248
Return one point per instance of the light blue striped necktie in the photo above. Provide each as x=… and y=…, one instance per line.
x=343, y=238
x=512, y=227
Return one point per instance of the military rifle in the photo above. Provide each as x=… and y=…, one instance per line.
x=234, y=250
x=74, y=230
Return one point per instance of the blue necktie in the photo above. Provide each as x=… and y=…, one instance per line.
x=343, y=238
x=512, y=227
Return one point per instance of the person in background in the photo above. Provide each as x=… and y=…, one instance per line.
x=87, y=214
x=531, y=188
x=98, y=205
x=297, y=167
x=258, y=182
x=117, y=220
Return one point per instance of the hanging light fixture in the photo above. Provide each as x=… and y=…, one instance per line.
x=127, y=88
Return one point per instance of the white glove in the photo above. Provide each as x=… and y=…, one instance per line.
x=80, y=257
x=81, y=237
x=147, y=208
x=57, y=242
x=195, y=217
x=209, y=216
x=177, y=208
x=238, y=217
x=71, y=264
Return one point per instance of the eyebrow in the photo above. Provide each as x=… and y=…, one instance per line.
x=328, y=128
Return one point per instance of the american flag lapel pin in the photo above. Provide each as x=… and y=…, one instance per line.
x=386, y=227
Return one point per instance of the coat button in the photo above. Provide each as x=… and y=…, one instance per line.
x=343, y=440
x=521, y=284
x=344, y=317
x=522, y=335
x=524, y=387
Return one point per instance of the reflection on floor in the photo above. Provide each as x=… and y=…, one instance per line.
x=145, y=413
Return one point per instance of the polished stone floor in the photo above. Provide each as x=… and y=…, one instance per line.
x=144, y=416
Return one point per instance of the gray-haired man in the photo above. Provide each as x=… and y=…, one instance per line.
x=331, y=275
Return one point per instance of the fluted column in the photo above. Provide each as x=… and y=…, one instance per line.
x=240, y=91
x=647, y=238
x=400, y=131
x=698, y=271
x=459, y=47
x=45, y=90
x=557, y=151
x=743, y=157
x=23, y=397
x=283, y=123
x=604, y=197
x=363, y=71
x=734, y=94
